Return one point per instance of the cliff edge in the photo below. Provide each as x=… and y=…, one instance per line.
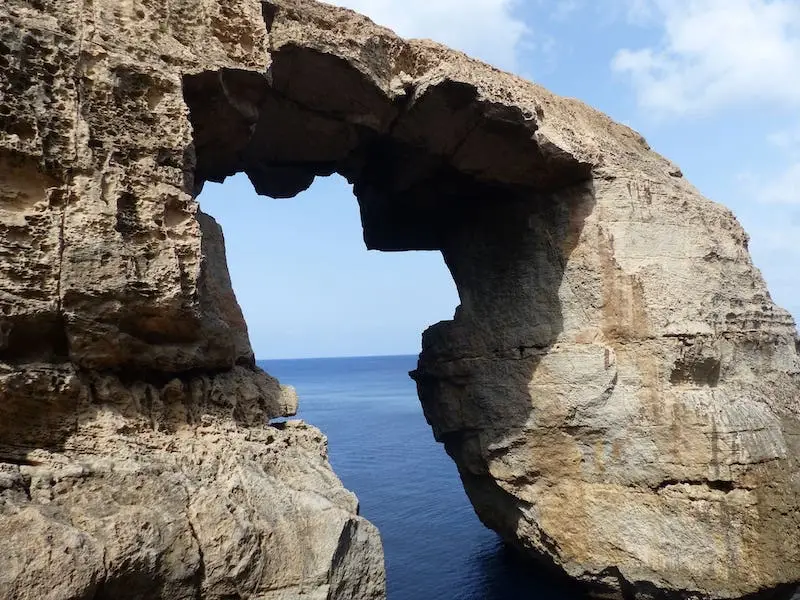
x=617, y=388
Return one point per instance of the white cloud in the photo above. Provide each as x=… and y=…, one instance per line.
x=783, y=186
x=638, y=11
x=716, y=53
x=787, y=139
x=485, y=29
x=563, y=9
x=783, y=240
x=783, y=189
x=778, y=187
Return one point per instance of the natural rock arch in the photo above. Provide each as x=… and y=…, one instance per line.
x=617, y=388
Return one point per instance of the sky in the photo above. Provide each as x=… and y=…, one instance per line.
x=714, y=85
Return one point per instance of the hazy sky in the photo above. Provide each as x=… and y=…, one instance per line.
x=712, y=84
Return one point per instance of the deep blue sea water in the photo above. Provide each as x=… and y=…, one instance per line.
x=383, y=450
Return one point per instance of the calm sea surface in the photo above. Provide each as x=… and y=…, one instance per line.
x=382, y=449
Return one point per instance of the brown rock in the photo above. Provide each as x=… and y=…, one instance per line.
x=617, y=388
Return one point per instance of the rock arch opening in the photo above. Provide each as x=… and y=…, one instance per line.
x=548, y=388
x=440, y=165
x=378, y=441
x=307, y=286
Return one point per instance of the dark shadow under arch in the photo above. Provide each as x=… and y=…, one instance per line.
x=434, y=169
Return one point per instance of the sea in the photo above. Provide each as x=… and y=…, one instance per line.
x=383, y=450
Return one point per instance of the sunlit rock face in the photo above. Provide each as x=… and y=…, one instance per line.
x=136, y=456
x=617, y=388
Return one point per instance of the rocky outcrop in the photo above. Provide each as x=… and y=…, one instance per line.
x=137, y=458
x=617, y=388
x=180, y=491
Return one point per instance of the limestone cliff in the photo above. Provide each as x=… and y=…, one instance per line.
x=617, y=388
x=136, y=455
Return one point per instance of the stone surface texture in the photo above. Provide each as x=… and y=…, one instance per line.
x=137, y=459
x=617, y=388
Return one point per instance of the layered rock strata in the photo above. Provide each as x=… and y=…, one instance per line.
x=617, y=388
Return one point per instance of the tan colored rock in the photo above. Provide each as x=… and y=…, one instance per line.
x=617, y=388
x=181, y=491
x=137, y=459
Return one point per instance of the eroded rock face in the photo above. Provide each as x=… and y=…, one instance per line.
x=137, y=459
x=181, y=492
x=617, y=388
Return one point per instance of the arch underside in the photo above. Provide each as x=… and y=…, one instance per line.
x=558, y=389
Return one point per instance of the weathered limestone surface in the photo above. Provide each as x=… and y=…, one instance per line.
x=136, y=456
x=617, y=388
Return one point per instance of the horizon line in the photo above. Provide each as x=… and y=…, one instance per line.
x=416, y=354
